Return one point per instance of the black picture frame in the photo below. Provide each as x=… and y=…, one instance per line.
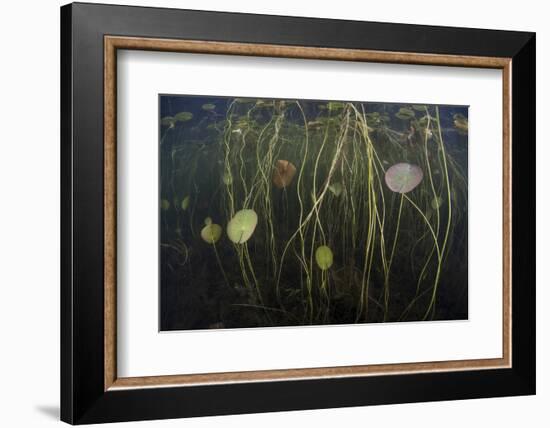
x=83, y=396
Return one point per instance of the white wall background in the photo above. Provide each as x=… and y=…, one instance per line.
x=29, y=213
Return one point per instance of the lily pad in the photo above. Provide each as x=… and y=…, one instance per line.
x=315, y=124
x=403, y=177
x=335, y=105
x=241, y=227
x=336, y=189
x=208, y=107
x=405, y=113
x=373, y=115
x=227, y=178
x=185, y=203
x=211, y=233
x=461, y=123
x=324, y=257
x=184, y=116
x=436, y=202
x=168, y=121
x=165, y=205
x=419, y=107
x=283, y=173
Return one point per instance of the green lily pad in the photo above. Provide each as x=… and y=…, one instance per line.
x=168, y=121
x=211, y=233
x=419, y=107
x=373, y=119
x=336, y=189
x=405, y=113
x=208, y=107
x=185, y=203
x=437, y=201
x=423, y=121
x=461, y=123
x=164, y=204
x=227, y=178
x=241, y=227
x=324, y=257
x=184, y=116
x=335, y=105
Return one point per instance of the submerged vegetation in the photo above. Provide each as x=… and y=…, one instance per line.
x=289, y=212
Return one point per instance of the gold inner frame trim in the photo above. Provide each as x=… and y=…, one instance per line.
x=113, y=43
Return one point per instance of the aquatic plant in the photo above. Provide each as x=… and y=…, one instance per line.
x=405, y=113
x=183, y=116
x=323, y=257
x=168, y=121
x=336, y=189
x=283, y=173
x=460, y=123
x=436, y=203
x=335, y=105
x=403, y=177
x=376, y=182
x=185, y=202
x=165, y=204
x=211, y=233
x=208, y=107
x=241, y=227
x=400, y=178
x=227, y=179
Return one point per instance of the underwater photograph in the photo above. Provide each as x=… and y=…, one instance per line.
x=295, y=212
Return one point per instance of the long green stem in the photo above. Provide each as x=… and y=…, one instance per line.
x=220, y=264
x=390, y=261
x=431, y=305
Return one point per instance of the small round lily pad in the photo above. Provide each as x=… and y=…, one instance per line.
x=165, y=205
x=324, y=257
x=283, y=173
x=336, y=189
x=227, y=178
x=184, y=116
x=419, y=107
x=211, y=233
x=436, y=202
x=461, y=123
x=403, y=177
x=168, y=121
x=185, y=203
x=335, y=105
x=405, y=113
x=208, y=107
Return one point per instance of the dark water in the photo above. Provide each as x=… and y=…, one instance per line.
x=301, y=212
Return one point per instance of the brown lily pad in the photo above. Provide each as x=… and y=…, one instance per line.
x=283, y=173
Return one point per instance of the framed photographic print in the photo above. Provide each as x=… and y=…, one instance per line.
x=266, y=213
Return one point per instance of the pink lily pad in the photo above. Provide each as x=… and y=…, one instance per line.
x=403, y=177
